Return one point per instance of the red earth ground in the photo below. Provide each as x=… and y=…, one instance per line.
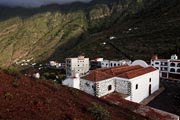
x=23, y=98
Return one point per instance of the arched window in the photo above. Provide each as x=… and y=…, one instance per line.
x=109, y=87
x=172, y=70
x=114, y=64
x=111, y=64
x=149, y=79
x=178, y=65
x=172, y=64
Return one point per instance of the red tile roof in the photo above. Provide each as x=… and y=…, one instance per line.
x=136, y=73
x=126, y=69
x=120, y=71
x=154, y=57
x=97, y=76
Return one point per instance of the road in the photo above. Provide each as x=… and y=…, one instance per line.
x=166, y=101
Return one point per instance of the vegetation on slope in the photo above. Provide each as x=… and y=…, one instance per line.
x=154, y=30
x=26, y=98
x=37, y=32
x=68, y=30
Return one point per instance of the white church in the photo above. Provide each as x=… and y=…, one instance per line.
x=133, y=83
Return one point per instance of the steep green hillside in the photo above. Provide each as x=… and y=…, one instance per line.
x=61, y=31
x=153, y=30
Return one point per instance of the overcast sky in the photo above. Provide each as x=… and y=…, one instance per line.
x=35, y=3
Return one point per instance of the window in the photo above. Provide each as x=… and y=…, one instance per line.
x=178, y=70
x=114, y=64
x=109, y=87
x=111, y=64
x=178, y=65
x=172, y=64
x=157, y=63
x=149, y=79
x=172, y=70
x=87, y=84
x=157, y=68
x=136, y=86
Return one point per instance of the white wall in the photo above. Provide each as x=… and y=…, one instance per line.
x=143, y=86
x=87, y=86
x=103, y=87
x=77, y=65
x=105, y=63
x=72, y=82
x=153, y=63
x=128, y=98
x=114, y=63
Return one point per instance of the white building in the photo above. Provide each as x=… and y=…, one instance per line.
x=73, y=81
x=134, y=83
x=77, y=65
x=168, y=68
x=113, y=63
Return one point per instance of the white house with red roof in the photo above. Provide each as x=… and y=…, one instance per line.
x=168, y=68
x=133, y=83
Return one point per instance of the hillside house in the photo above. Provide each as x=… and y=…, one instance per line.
x=77, y=65
x=101, y=63
x=168, y=68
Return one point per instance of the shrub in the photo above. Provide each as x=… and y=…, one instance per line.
x=11, y=71
x=8, y=95
x=15, y=84
x=99, y=112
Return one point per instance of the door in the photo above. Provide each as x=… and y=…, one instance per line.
x=150, y=89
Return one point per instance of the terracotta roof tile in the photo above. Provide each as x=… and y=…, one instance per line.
x=97, y=76
x=154, y=57
x=120, y=71
x=126, y=69
x=136, y=73
x=106, y=69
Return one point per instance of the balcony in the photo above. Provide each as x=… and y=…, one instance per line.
x=164, y=69
x=164, y=64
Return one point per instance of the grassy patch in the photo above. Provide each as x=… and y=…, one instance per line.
x=99, y=112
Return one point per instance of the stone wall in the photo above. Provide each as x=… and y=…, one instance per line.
x=105, y=87
x=88, y=86
x=122, y=86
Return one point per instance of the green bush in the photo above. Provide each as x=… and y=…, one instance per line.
x=99, y=112
x=15, y=84
x=8, y=95
x=11, y=71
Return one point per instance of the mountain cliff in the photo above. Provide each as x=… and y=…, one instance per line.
x=142, y=28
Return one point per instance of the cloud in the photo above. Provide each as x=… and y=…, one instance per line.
x=36, y=3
